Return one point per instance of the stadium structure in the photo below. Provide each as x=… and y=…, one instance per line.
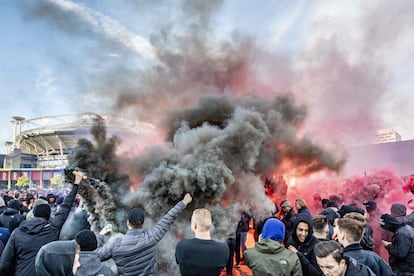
x=41, y=146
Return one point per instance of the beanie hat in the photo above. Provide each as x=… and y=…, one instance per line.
x=273, y=229
x=39, y=201
x=86, y=239
x=285, y=203
x=345, y=209
x=370, y=205
x=14, y=204
x=332, y=203
x=136, y=215
x=59, y=201
x=42, y=210
x=389, y=222
x=398, y=210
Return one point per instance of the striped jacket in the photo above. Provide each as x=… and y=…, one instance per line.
x=135, y=253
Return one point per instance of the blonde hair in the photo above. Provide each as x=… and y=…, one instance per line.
x=301, y=203
x=202, y=217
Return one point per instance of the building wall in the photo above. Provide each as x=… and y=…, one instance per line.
x=38, y=178
x=387, y=135
x=397, y=156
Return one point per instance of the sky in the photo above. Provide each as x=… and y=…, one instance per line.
x=350, y=63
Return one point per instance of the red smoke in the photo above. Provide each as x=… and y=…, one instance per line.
x=382, y=186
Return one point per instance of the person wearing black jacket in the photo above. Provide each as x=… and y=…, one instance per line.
x=236, y=241
x=288, y=217
x=11, y=217
x=333, y=262
x=401, y=247
x=302, y=242
x=19, y=255
x=301, y=207
x=62, y=253
x=350, y=231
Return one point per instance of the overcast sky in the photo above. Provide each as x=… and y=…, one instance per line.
x=350, y=62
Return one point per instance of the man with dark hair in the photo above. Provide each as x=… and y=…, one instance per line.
x=401, y=247
x=333, y=262
x=350, y=230
x=320, y=227
x=51, y=198
x=86, y=261
x=135, y=252
x=201, y=256
x=11, y=217
x=373, y=214
x=331, y=213
x=302, y=242
x=324, y=203
x=19, y=255
x=288, y=217
x=398, y=211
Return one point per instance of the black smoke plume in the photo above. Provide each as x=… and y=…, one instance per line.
x=102, y=190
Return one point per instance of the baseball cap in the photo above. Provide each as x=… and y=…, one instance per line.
x=370, y=204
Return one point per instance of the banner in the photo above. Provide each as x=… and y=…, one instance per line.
x=4, y=176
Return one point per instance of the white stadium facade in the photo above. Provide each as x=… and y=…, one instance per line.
x=41, y=146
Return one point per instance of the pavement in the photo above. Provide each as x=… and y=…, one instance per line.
x=244, y=270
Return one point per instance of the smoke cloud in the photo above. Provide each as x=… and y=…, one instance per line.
x=103, y=190
x=232, y=107
x=220, y=158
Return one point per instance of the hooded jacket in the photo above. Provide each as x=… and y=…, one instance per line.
x=401, y=249
x=62, y=253
x=11, y=218
x=304, y=210
x=90, y=265
x=269, y=257
x=331, y=214
x=289, y=221
x=19, y=255
x=306, y=254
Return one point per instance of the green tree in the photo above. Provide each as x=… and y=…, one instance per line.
x=22, y=182
x=57, y=181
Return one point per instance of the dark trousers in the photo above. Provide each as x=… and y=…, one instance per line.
x=234, y=247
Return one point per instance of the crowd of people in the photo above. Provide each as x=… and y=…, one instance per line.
x=339, y=239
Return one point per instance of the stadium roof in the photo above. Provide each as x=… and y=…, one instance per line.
x=56, y=134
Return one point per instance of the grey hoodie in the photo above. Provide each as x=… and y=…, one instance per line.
x=62, y=253
x=90, y=265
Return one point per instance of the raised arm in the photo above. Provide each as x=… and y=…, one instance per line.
x=63, y=212
x=161, y=228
